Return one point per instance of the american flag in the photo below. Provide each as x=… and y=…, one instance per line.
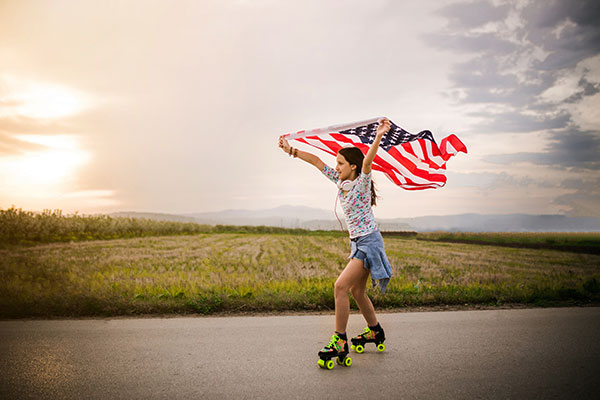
x=413, y=162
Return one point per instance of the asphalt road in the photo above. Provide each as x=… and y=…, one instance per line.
x=497, y=354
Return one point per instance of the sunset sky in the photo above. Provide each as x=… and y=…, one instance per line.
x=176, y=107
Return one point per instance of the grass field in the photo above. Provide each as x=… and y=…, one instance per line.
x=581, y=242
x=237, y=272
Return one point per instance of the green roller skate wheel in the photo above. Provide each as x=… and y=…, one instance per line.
x=359, y=348
x=325, y=364
x=347, y=361
x=381, y=347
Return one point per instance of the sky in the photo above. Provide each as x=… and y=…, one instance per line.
x=176, y=107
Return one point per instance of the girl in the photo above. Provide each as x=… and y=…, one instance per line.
x=357, y=195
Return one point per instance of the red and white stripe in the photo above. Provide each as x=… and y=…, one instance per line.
x=415, y=165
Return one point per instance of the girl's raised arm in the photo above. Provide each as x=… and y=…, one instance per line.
x=384, y=126
x=303, y=155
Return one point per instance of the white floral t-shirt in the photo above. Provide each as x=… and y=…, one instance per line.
x=356, y=203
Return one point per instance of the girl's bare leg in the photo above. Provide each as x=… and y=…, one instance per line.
x=353, y=276
x=359, y=292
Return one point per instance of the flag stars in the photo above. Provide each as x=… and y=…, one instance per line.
x=394, y=137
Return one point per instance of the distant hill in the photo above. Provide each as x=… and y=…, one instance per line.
x=283, y=216
x=315, y=218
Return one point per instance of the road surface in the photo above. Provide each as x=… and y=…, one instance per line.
x=492, y=354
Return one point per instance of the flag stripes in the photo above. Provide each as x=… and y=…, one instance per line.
x=413, y=162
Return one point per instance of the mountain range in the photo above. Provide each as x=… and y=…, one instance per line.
x=314, y=218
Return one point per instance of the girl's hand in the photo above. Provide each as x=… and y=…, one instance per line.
x=283, y=144
x=384, y=127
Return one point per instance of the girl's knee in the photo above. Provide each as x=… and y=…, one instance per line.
x=340, y=287
x=357, y=291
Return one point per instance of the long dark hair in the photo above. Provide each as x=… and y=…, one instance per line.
x=355, y=157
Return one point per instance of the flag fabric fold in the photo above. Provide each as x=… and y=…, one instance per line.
x=411, y=161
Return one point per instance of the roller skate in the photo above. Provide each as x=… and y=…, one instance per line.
x=337, y=347
x=369, y=336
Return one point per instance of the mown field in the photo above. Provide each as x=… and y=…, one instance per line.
x=581, y=242
x=244, y=272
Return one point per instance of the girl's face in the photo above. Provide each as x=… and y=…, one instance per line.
x=346, y=171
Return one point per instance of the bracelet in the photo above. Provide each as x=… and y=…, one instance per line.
x=291, y=149
x=295, y=153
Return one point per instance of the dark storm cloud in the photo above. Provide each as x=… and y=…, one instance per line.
x=579, y=35
x=575, y=148
x=485, y=77
x=550, y=13
x=586, y=89
x=483, y=81
x=504, y=73
x=516, y=122
x=569, y=148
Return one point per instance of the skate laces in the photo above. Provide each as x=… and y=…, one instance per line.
x=334, y=343
x=368, y=333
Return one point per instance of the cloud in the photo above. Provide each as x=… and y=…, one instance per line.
x=11, y=127
x=527, y=73
x=39, y=100
x=567, y=148
x=473, y=15
x=567, y=30
x=489, y=180
x=485, y=80
x=483, y=42
x=11, y=146
x=585, y=198
x=524, y=123
x=586, y=89
x=515, y=63
x=35, y=108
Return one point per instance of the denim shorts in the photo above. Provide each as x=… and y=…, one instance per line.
x=370, y=249
x=361, y=255
x=370, y=240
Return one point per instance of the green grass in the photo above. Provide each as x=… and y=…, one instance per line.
x=28, y=228
x=25, y=227
x=586, y=242
x=238, y=272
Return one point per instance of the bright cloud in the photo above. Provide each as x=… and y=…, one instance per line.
x=23, y=98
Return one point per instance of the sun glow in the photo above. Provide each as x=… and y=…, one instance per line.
x=45, y=173
x=50, y=166
x=40, y=100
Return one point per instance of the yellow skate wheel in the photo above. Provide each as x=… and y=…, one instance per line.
x=321, y=363
x=359, y=348
x=381, y=347
x=352, y=347
x=347, y=361
x=329, y=364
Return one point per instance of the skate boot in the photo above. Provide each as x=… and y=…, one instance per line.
x=337, y=347
x=369, y=336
